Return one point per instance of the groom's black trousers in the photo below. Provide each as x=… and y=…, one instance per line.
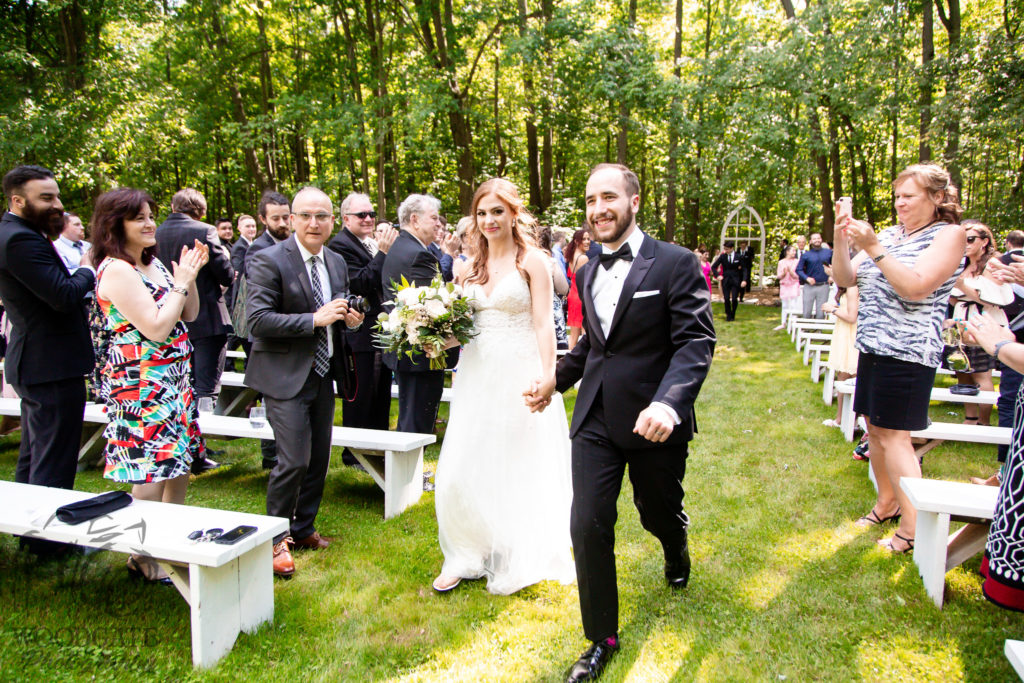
x=597, y=468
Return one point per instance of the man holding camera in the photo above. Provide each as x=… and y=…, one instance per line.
x=370, y=407
x=297, y=305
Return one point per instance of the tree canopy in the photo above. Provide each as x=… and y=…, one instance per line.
x=711, y=102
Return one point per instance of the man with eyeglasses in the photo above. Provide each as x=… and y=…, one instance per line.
x=364, y=255
x=297, y=307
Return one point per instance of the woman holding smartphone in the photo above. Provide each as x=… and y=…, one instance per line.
x=904, y=276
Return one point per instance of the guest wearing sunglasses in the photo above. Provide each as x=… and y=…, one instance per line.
x=370, y=408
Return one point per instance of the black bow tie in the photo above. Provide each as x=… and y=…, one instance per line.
x=623, y=252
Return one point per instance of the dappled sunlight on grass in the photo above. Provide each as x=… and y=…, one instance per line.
x=789, y=558
x=760, y=367
x=905, y=658
x=660, y=656
x=511, y=645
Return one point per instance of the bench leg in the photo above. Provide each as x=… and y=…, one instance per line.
x=931, y=537
x=238, y=596
x=849, y=419
x=403, y=480
x=965, y=544
x=827, y=390
x=91, y=451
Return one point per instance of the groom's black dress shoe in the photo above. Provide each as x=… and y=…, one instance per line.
x=592, y=662
x=677, y=566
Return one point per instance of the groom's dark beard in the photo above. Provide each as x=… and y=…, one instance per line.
x=50, y=222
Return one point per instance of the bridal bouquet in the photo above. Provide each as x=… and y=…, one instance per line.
x=424, y=319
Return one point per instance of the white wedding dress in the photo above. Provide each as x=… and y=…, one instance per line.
x=503, y=483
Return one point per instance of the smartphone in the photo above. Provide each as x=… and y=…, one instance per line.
x=845, y=206
x=236, y=534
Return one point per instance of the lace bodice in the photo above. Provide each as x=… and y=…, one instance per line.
x=504, y=321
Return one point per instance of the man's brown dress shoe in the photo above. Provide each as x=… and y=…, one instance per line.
x=312, y=542
x=283, y=563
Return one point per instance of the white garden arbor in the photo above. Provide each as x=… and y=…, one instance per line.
x=744, y=224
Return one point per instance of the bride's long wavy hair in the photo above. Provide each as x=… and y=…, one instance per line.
x=522, y=235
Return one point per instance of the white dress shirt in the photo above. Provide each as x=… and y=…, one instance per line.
x=71, y=252
x=607, y=289
x=325, y=283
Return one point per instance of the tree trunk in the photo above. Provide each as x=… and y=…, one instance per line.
x=502, y=157
x=924, y=102
x=951, y=20
x=672, y=171
x=622, y=140
x=532, y=148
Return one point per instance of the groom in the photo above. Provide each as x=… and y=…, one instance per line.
x=647, y=349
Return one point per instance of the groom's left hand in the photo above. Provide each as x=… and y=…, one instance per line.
x=654, y=424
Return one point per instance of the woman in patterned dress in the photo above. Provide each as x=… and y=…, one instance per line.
x=1003, y=564
x=153, y=433
x=904, y=276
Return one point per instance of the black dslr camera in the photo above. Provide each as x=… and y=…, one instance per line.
x=357, y=303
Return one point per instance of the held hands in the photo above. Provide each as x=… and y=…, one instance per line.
x=538, y=396
x=984, y=331
x=190, y=263
x=654, y=424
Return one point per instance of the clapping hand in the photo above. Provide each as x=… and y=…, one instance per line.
x=538, y=396
x=190, y=263
x=450, y=245
x=986, y=332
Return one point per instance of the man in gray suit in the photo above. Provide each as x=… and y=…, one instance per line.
x=296, y=309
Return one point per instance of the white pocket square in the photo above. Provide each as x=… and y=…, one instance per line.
x=650, y=292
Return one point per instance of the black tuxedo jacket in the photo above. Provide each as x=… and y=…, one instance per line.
x=407, y=257
x=732, y=265
x=280, y=309
x=49, y=339
x=180, y=230
x=364, y=279
x=659, y=345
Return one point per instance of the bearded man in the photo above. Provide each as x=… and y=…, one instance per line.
x=49, y=351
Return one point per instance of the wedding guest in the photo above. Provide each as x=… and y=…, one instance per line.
x=153, y=435
x=729, y=268
x=813, y=276
x=561, y=289
x=789, y=285
x=463, y=247
x=71, y=243
x=842, y=349
x=904, y=275
x=975, y=292
x=503, y=480
x=705, y=266
x=1003, y=563
x=576, y=257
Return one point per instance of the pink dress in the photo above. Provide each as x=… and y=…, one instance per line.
x=705, y=268
x=789, y=283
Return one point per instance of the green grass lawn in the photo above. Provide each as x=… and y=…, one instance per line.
x=784, y=586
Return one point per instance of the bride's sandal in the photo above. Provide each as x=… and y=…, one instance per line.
x=443, y=584
x=888, y=544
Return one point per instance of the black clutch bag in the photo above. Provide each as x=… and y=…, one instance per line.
x=91, y=508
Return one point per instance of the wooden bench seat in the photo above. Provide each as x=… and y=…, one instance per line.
x=229, y=588
x=937, y=503
x=1014, y=651
x=393, y=459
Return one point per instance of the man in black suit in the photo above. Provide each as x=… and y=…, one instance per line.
x=275, y=214
x=49, y=351
x=647, y=350
x=419, y=387
x=729, y=267
x=209, y=331
x=297, y=308
x=370, y=407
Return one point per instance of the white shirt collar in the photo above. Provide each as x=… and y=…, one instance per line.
x=306, y=253
x=634, y=241
x=68, y=242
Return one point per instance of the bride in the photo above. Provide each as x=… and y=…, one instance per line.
x=503, y=483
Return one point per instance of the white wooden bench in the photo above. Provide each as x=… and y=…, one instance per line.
x=938, y=502
x=796, y=321
x=817, y=327
x=943, y=394
x=818, y=361
x=817, y=340
x=229, y=588
x=1014, y=651
x=393, y=459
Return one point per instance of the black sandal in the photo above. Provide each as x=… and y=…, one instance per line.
x=872, y=519
x=887, y=544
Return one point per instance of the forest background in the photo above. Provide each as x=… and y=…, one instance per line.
x=713, y=102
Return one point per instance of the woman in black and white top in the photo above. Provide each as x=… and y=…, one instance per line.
x=904, y=275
